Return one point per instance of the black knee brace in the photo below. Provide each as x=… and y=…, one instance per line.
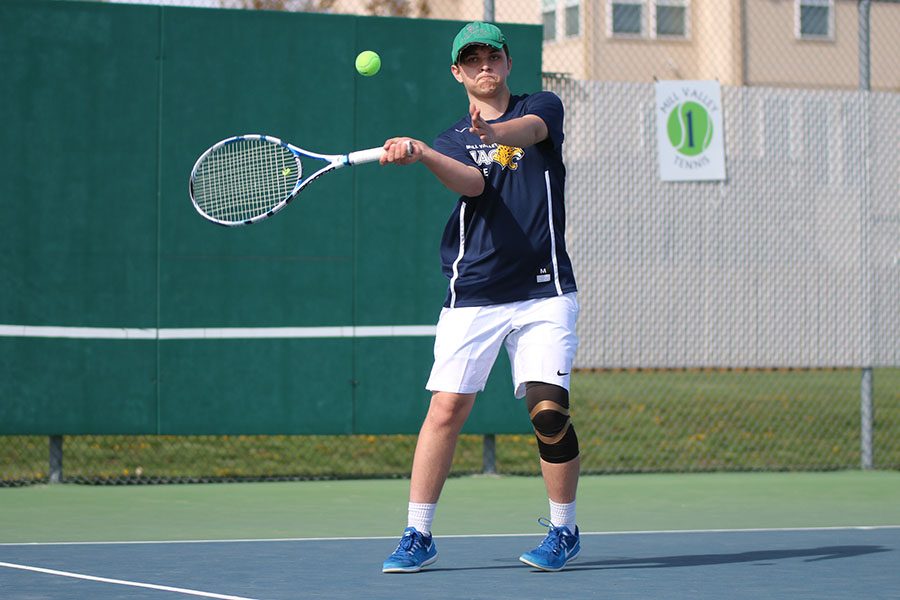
x=548, y=407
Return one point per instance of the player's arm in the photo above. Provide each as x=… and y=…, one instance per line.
x=463, y=179
x=520, y=132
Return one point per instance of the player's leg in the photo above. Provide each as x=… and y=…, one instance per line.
x=436, y=444
x=433, y=458
x=548, y=407
x=558, y=449
x=561, y=481
x=542, y=352
x=466, y=346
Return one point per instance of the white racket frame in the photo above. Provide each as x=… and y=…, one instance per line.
x=335, y=161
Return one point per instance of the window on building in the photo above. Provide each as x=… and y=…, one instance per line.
x=814, y=19
x=567, y=13
x=626, y=17
x=671, y=18
x=548, y=18
x=573, y=17
x=648, y=18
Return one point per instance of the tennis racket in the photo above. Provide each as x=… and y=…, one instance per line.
x=248, y=178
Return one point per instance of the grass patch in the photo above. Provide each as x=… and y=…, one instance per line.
x=669, y=421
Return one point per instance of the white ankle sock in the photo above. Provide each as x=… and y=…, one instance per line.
x=420, y=516
x=563, y=515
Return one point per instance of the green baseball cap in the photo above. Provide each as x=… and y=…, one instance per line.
x=477, y=32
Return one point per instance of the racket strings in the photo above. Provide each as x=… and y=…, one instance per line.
x=245, y=179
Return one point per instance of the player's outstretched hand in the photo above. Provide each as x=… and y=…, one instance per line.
x=402, y=151
x=480, y=127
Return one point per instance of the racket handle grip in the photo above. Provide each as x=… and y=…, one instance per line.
x=364, y=156
x=372, y=154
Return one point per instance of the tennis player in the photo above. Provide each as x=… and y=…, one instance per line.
x=510, y=284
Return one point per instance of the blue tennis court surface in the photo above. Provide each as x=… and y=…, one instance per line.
x=839, y=563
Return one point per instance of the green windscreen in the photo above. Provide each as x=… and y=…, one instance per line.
x=109, y=106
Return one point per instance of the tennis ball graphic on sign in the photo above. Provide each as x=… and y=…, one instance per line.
x=689, y=128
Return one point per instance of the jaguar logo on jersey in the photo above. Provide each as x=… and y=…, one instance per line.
x=507, y=157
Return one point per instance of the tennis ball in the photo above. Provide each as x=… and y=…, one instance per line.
x=368, y=63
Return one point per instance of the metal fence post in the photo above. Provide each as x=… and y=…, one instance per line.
x=865, y=72
x=489, y=11
x=489, y=454
x=866, y=411
x=865, y=85
x=56, y=459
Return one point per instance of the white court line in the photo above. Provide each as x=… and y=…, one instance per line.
x=151, y=586
x=460, y=535
x=216, y=333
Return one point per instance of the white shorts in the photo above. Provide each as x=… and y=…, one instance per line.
x=539, y=336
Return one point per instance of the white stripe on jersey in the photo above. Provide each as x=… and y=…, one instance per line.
x=552, y=235
x=462, y=250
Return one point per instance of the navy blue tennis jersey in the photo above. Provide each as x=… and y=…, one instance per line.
x=508, y=243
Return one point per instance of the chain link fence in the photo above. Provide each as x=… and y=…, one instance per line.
x=628, y=421
x=748, y=324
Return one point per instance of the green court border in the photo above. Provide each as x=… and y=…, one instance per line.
x=469, y=505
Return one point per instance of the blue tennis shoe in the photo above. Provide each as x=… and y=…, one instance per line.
x=558, y=548
x=416, y=550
